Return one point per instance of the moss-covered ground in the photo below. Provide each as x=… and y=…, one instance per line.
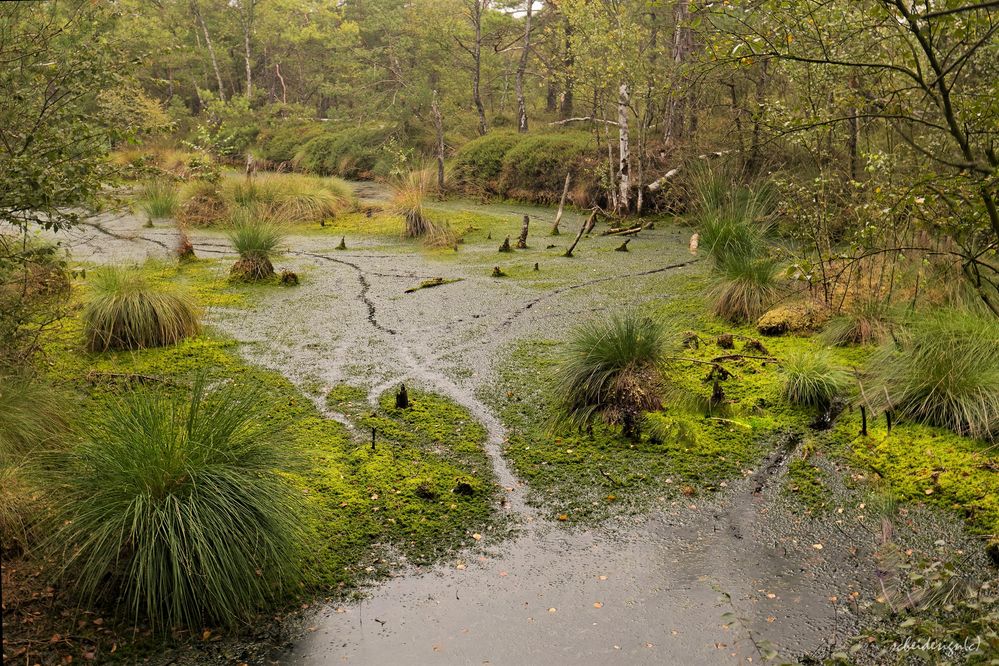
x=691, y=448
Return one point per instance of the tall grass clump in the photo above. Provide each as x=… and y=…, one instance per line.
x=745, y=287
x=256, y=240
x=945, y=372
x=612, y=371
x=176, y=509
x=734, y=223
x=812, y=379
x=124, y=310
x=409, y=192
x=158, y=199
x=863, y=323
x=34, y=416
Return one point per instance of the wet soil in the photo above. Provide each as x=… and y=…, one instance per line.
x=635, y=589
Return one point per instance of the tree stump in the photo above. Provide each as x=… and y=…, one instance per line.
x=522, y=240
x=726, y=341
x=402, y=398
x=624, y=246
x=343, y=243
x=505, y=247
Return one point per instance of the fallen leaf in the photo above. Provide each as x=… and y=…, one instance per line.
x=563, y=516
x=552, y=610
x=503, y=573
x=206, y=634
x=817, y=546
x=597, y=604
x=601, y=577
x=477, y=536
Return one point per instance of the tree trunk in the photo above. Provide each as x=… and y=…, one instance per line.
x=477, y=69
x=565, y=110
x=521, y=69
x=246, y=18
x=681, y=46
x=561, y=205
x=624, y=150
x=284, y=88
x=761, y=88
x=196, y=10
x=435, y=110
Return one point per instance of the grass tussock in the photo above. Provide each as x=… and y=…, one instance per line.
x=612, y=371
x=124, y=310
x=745, y=288
x=867, y=322
x=734, y=224
x=33, y=416
x=945, y=372
x=175, y=508
x=409, y=192
x=812, y=379
x=157, y=199
x=257, y=240
x=293, y=198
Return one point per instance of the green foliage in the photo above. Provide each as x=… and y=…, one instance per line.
x=157, y=199
x=478, y=163
x=354, y=152
x=812, y=379
x=176, y=507
x=282, y=143
x=612, y=370
x=124, y=310
x=745, y=287
x=534, y=169
x=229, y=129
x=34, y=288
x=941, y=613
x=53, y=140
x=280, y=197
x=736, y=227
x=944, y=372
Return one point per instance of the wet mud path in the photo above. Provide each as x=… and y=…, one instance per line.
x=635, y=590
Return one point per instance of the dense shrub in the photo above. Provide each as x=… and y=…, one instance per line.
x=612, y=370
x=355, y=152
x=126, y=311
x=811, y=379
x=176, y=509
x=281, y=144
x=943, y=372
x=534, y=169
x=34, y=290
x=478, y=163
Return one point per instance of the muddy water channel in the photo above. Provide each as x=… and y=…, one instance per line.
x=634, y=589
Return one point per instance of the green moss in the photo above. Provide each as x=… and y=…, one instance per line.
x=805, y=482
x=927, y=464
